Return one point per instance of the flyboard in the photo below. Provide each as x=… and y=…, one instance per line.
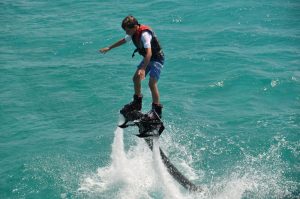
x=149, y=128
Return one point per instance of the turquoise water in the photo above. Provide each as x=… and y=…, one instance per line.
x=230, y=89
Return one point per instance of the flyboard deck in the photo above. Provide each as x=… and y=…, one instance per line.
x=147, y=130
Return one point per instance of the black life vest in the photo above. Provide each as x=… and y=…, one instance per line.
x=157, y=53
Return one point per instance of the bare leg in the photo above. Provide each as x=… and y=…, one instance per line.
x=137, y=84
x=154, y=90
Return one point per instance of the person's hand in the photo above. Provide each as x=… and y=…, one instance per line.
x=141, y=73
x=104, y=50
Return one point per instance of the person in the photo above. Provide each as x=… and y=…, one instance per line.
x=147, y=45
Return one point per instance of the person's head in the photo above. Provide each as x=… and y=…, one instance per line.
x=130, y=25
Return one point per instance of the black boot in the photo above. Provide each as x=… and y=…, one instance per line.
x=155, y=113
x=158, y=109
x=135, y=105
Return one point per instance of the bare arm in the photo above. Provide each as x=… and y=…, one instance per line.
x=117, y=44
x=146, y=61
x=147, y=58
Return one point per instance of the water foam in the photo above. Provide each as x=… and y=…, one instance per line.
x=138, y=173
x=170, y=189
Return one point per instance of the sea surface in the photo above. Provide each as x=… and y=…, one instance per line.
x=230, y=88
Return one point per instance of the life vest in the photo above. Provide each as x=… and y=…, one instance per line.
x=157, y=53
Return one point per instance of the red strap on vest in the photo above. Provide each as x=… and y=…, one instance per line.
x=139, y=32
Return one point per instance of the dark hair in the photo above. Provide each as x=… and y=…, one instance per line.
x=129, y=22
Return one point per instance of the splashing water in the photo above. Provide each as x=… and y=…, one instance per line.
x=166, y=180
x=139, y=173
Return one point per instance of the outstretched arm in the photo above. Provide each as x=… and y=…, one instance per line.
x=117, y=44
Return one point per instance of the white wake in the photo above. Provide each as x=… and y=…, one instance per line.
x=137, y=173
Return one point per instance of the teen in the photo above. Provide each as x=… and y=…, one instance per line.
x=147, y=45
